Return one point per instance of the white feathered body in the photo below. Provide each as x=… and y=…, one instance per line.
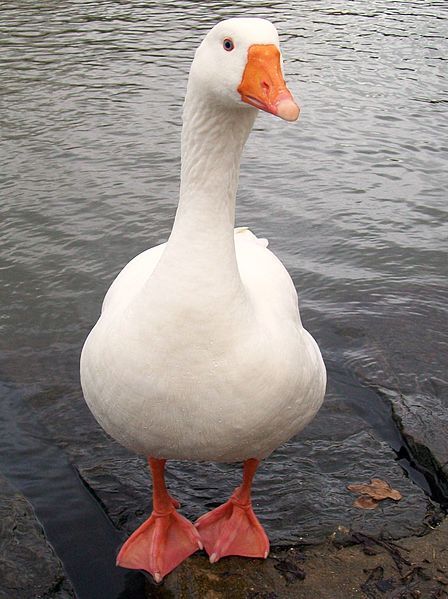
x=188, y=380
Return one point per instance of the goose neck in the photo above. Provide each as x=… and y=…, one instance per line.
x=213, y=138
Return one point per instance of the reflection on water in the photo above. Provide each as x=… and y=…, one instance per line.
x=352, y=198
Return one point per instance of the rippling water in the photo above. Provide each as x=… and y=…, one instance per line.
x=352, y=197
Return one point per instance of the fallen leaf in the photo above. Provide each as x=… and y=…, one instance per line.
x=388, y=491
x=377, y=489
x=365, y=502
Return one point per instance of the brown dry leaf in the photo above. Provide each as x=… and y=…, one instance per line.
x=377, y=489
x=391, y=493
x=365, y=502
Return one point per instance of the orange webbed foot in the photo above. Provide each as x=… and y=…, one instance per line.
x=160, y=544
x=166, y=539
x=232, y=529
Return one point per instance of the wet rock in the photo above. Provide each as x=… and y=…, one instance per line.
x=28, y=565
x=423, y=422
x=300, y=492
x=310, y=481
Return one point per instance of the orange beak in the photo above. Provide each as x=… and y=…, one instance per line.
x=263, y=85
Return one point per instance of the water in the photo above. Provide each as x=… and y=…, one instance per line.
x=352, y=199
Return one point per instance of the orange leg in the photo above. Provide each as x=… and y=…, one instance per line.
x=233, y=528
x=166, y=539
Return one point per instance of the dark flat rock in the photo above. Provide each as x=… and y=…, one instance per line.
x=423, y=420
x=29, y=567
x=300, y=491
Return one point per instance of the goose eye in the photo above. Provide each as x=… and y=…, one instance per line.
x=228, y=44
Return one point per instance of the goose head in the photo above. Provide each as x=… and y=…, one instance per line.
x=239, y=64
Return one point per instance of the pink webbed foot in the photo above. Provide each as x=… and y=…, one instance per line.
x=160, y=544
x=166, y=539
x=233, y=528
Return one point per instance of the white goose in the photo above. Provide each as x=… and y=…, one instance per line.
x=199, y=353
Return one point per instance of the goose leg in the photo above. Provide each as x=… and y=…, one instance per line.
x=166, y=539
x=233, y=528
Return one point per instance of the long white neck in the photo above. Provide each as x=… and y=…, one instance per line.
x=213, y=138
x=201, y=245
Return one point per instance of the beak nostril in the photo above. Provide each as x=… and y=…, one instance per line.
x=265, y=86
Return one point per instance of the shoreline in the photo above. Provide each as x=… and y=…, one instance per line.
x=347, y=566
